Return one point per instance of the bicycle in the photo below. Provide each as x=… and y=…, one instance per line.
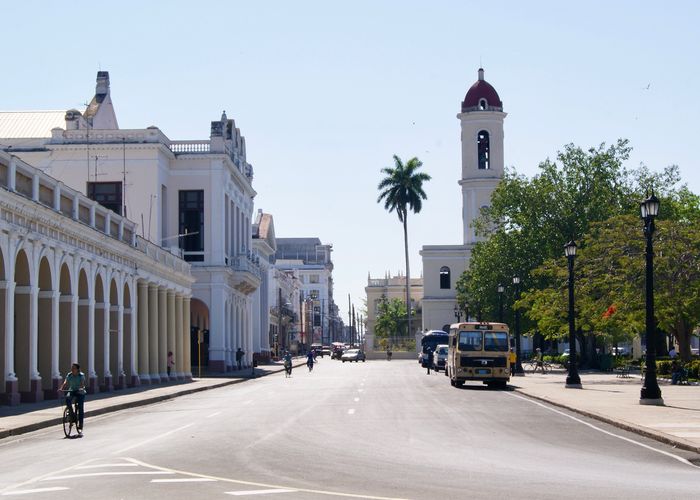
x=545, y=366
x=70, y=418
x=287, y=369
x=310, y=364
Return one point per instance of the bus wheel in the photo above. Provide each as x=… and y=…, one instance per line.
x=452, y=383
x=459, y=383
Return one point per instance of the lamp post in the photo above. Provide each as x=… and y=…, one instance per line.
x=651, y=393
x=573, y=381
x=500, y=290
x=518, y=361
x=458, y=314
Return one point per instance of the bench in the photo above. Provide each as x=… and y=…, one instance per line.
x=622, y=371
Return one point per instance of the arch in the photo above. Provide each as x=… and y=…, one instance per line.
x=445, y=280
x=23, y=323
x=483, y=145
x=128, y=367
x=45, y=326
x=483, y=104
x=199, y=321
x=65, y=317
x=84, y=296
x=113, y=333
x=101, y=308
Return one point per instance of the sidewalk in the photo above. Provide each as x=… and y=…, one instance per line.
x=29, y=417
x=615, y=401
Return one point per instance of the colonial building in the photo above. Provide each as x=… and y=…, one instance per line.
x=481, y=121
x=194, y=196
x=77, y=284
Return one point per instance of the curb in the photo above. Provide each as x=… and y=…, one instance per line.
x=636, y=429
x=132, y=404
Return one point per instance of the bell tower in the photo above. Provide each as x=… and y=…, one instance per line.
x=482, y=151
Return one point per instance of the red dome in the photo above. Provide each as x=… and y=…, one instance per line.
x=481, y=90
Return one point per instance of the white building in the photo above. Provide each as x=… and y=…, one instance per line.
x=481, y=121
x=195, y=196
x=77, y=284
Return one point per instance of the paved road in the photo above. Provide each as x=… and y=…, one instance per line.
x=377, y=429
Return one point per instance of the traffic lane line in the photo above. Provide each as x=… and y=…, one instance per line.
x=612, y=434
x=261, y=485
x=258, y=492
x=110, y=473
x=154, y=438
x=184, y=480
x=35, y=490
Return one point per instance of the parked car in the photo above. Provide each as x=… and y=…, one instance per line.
x=325, y=351
x=440, y=357
x=353, y=355
x=619, y=351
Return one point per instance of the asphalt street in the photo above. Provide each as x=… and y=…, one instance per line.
x=366, y=430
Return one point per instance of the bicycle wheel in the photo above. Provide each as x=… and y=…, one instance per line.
x=67, y=422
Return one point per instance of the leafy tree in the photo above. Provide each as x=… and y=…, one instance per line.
x=391, y=326
x=402, y=191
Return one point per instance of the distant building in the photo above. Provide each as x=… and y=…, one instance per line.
x=311, y=259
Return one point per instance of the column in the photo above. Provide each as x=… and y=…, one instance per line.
x=74, y=303
x=11, y=388
x=121, y=376
x=56, y=379
x=186, y=323
x=163, y=333
x=217, y=320
x=106, y=341
x=143, y=342
x=35, y=391
x=180, y=338
x=153, y=333
x=172, y=331
x=133, y=380
x=91, y=373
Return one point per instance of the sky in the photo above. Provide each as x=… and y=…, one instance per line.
x=326, y=92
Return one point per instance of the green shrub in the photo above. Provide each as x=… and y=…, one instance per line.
x=663, y=367
x=693, y=368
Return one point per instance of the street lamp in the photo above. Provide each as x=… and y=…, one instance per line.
x=573, y=380
x=518, y=361
x=651, y=393
x=500, y=290
x=458, y=313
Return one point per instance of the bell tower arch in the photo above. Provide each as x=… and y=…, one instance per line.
x=482, y=151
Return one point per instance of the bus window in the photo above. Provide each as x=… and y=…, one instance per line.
x=469, y=341
x=495, y=341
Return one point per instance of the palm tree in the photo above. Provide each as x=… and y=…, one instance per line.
x=402, y=191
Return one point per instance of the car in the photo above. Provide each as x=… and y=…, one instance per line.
x=619, y=351
x=325, y=351
x=353, y=355
x=565, y=353
x=694, y=351
x=318, y=348
x=440, y=357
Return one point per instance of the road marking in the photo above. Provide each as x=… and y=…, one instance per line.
x=214, y=414
x=35, y=490
x=261, y=485
x=357, y=399
x=360, y=390
x=351, y=411
x=36, y=479
x=104, y=465
x=152, y=439
x=184, y=480
x=258, y=492
x=632, y=441
x=112, y=473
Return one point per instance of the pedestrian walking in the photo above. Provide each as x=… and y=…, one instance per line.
x=512, y=359
x=239, y=358
x=672, y=352
x=429, y=360
x=171, y=361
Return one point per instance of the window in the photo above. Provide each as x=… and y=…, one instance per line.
x=107, y=194
x=313, y=278
x=191, y=218
x=495, y=341
x=313, y=294
x=483, y=148
x=444, y=278
x=483, y=105
x=469, y=341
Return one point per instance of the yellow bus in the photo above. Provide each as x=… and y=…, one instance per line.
x=478, y=351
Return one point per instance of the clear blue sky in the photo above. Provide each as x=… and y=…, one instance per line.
x=326, y=92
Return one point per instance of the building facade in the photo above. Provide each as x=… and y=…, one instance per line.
x=77, y=284
x=193, y=196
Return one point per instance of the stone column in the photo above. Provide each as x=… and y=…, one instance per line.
x=163, y=333
x=92, y=374
x=143, y=341
x=186, y=322
x=106, y=341
x=35, y=391
x=171, y=334
x=56, y=379
x=75, y=302
x=11, y=396
x=121, y=376
x=153, y=333
x=180, y=338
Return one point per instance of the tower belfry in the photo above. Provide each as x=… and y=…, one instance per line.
x=482, y=151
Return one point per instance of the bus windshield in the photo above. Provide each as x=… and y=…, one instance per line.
x=431, y=341
x=495, y=341
x=469, y=341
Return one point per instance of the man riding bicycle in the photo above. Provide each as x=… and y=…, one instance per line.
x=287, y=358
x=74, y=385
x=310, y=356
